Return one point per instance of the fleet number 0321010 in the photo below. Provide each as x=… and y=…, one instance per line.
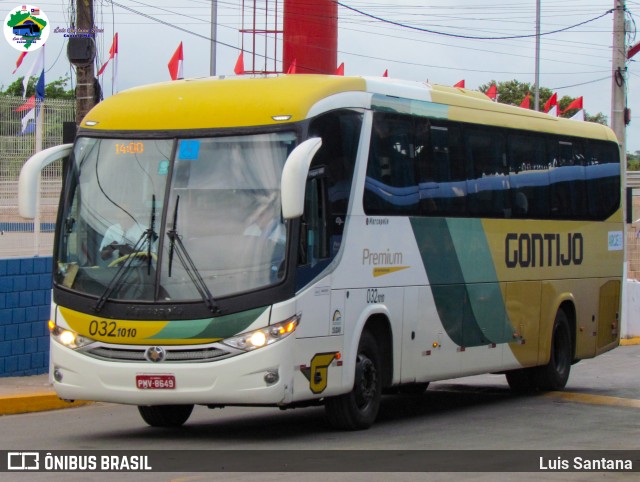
x=110, y=329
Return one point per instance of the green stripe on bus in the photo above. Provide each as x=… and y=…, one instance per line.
x=480, y=277
x=385, y=103
x=221, y=327
x=463, y=280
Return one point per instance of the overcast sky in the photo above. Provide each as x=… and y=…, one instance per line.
x=576, y=62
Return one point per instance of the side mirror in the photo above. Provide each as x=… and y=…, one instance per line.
x=30, y=173
x=294, y=177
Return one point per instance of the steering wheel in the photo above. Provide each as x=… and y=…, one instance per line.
x=137, y=254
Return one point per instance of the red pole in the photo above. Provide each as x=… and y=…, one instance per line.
x=310, y=36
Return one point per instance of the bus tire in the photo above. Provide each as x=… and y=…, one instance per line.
x=358, y=409
x=555, y=374
x=165, y=415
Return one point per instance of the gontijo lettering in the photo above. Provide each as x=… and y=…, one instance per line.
x=531, y=250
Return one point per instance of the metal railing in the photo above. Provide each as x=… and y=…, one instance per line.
x=19, y=237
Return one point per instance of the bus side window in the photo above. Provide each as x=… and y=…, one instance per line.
x=391, y=186
x=567, y=179
x=314, y=221
x=340, y=134
x=313, y=249
x=328, y=190
x=528, y=176
x=443, y=187
x=603, y=179
x=488, y=184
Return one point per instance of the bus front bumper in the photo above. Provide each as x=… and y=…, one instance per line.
x=260, y=377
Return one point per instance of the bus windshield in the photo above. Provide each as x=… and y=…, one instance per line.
x=173, y=220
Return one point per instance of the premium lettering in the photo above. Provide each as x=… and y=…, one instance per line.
x=380, y=258
x=537, y=250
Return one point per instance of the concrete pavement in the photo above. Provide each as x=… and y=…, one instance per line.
x=35, y=393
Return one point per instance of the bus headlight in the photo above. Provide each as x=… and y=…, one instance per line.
x=68, y=338
x=264, y=336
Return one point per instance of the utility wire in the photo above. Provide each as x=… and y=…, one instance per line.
x=168, y=24
x=205, y=37
x=473, y=37
x=582, y=83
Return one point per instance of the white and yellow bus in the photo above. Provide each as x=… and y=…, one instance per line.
x=297, y=240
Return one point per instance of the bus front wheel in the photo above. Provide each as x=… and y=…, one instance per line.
x=165, y=415
x=358, y=409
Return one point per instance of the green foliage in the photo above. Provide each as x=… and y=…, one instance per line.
x=15, y=88
x=633, y=161
x=56, y=89
x=598, y=118
x=513, y=92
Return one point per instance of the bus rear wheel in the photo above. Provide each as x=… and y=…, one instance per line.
x=358, y=409
x=165, y=415
x=555, y=374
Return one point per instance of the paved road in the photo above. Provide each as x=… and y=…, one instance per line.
x=599, y=410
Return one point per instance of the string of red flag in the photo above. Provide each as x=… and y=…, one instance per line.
x=575, y=104
x=492, y=92
x=176, y=64
x=239, y=67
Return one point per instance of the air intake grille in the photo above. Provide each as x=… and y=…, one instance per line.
x=180, y=355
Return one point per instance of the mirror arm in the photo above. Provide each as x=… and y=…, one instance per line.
x=294, y=177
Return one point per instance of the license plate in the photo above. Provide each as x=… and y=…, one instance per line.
x=155, y=382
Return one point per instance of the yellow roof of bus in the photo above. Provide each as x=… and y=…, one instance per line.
x=244, y=101
x=215, y=103
x=475, y=107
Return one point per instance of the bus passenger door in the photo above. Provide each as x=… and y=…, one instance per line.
x=314, y=257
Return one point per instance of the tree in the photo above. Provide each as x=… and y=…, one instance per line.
x=513, y=92
x=53, y=90
x=57, y=89
x=633, y=161
x=599, y=118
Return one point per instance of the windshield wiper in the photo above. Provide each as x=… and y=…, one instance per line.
x=149, y=236
x=189, y=266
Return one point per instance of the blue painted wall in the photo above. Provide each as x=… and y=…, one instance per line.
x=25, y=299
